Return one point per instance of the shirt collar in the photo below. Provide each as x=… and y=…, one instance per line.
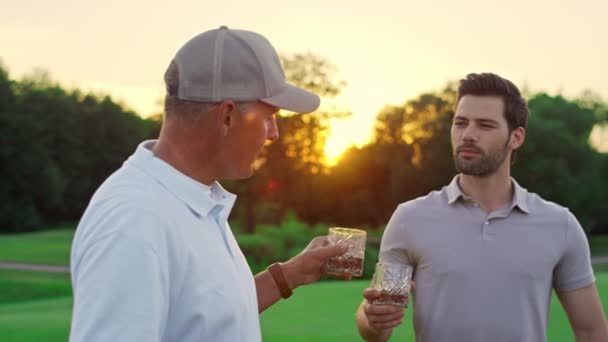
x=453, y=191
x=200, y=198
x=519, y=195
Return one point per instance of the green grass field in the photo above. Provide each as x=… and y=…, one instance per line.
x=46, y=247
x=37, y=306
x=53, y=246
x=599, y=244
x=39, y=309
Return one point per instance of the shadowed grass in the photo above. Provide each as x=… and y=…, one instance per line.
x=320, y=312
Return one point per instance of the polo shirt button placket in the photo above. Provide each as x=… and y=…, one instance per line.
x=485, y=234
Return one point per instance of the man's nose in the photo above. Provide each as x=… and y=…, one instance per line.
x=469, y=134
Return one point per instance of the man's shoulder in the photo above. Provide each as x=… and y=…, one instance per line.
x=127, y=196
x=539, y=206
x=129, y=185
x=130, y=206
x=429, y=202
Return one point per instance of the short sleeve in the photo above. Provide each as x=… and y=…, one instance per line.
x=574, y=268
x=393, y=247
x=120, y=284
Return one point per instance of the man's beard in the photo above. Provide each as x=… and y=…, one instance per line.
x=486, y=164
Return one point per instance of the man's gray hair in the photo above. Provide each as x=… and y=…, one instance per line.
x=185, y=109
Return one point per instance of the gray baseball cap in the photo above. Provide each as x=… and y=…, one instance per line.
x=239, y=65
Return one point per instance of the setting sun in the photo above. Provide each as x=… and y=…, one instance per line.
x=334, y=147
x=344, y=133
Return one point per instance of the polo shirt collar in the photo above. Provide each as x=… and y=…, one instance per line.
x=454, y=192
x=200, y=198
x=520, y=195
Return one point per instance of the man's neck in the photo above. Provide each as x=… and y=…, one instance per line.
x=176, y=152
x=492, y=192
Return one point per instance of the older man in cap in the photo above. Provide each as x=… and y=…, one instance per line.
x=154, y=258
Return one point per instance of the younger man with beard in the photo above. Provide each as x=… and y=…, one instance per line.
x=486, y=252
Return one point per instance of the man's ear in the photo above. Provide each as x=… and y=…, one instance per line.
x=518, y=136
x=225, y=115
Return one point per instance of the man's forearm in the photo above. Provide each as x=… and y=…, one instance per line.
x=267, y=290
x=266, y=286
x=367, y=332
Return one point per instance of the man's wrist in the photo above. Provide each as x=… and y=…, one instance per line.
x=291, y=275
x=367, y=331
x=277, y=271
x=374, y=335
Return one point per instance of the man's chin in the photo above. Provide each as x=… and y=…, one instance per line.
x=473, y=172
x=239, y=174
x=468, y=169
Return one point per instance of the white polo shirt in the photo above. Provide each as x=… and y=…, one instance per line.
x=154, y=259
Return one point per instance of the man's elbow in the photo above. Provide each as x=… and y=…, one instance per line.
x=594, y=332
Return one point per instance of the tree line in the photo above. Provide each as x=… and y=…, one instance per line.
x=57, y=146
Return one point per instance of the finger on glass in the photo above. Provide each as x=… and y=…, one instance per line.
x=350, y=263
x=393, y=280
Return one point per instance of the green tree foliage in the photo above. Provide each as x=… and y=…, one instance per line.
x=557, y=160
x=57, y=147
x=7, y=98
x=31, y=182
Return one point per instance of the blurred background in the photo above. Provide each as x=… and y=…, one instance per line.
x=81, y=87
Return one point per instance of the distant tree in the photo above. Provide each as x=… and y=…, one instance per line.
x=288, y=167
x=7, y=98
x=594, y=102
x=557, y=160
x=57, y=147
x=31, y=182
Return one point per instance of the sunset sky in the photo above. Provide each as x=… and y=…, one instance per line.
x=387, y=51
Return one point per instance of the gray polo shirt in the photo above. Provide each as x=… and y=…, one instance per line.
x=483, y=277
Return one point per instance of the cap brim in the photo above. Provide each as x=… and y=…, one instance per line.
x=294, y=99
